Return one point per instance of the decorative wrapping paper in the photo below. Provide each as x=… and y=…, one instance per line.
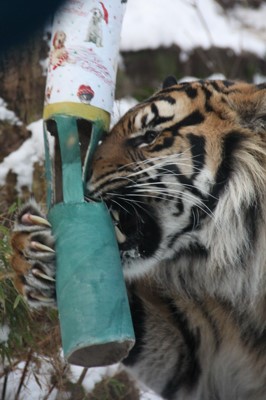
x=83, y=58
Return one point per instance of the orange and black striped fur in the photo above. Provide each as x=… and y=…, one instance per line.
x=184, y=176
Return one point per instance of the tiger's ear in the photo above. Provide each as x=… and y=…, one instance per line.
x=252, y=109
x=169, y=81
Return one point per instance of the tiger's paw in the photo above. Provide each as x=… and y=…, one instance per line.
x=33, y=258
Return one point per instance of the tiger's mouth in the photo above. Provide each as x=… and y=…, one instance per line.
x=137, y=230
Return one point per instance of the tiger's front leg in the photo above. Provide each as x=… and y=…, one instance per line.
x=164, y=357
x=33, y=257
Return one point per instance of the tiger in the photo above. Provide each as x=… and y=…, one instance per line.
x=183, y=175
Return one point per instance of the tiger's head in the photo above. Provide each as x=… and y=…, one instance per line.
x=183, y=169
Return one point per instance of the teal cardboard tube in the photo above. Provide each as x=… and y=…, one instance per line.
x=95, y=320
x=94, y=313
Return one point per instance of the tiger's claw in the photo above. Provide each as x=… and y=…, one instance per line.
x=42, y=299
x=42, y=247
x=33, y=257
x=35, y=220
x=38, y=273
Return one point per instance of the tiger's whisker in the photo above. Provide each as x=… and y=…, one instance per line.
x=179, y=195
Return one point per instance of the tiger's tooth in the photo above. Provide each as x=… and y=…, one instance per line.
x=38, y=273
x=37, y=220
x=115, y=215
x=42, y=247
x=121, y=238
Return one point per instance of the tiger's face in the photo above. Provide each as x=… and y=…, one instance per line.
x=165, y=166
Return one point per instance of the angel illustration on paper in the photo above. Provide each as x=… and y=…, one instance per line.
x=59, y=54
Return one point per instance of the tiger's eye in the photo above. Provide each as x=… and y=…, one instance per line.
x=150, y=136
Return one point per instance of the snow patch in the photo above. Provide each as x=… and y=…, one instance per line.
x=121, y=107
x=31, y=389
x=21, y=161
x=258, y=78
x=94, y=375
x=4, y=333
x=8, y=115
x=44, y=65
x=192, y=23
x=37, y=390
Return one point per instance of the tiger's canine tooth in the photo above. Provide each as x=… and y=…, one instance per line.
x=37, y=273
x=40, y=246
x=36, y=220
x=115, y=214
x=121, y=238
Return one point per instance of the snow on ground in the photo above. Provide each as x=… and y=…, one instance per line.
x=32, y=389
x=4, y=333
x=21, y=161
x=8, y=115
x=37, y=390
x=149, y=395
x=193, y=23
x=94, y=375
